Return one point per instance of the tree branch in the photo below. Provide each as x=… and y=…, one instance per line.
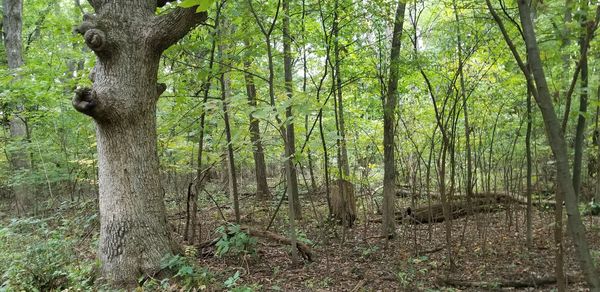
x=171, y=27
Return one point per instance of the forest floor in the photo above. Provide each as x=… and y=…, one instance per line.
x=488, y=249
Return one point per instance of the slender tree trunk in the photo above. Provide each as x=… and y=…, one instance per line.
x=313, y=182
x=134, y=234
x=565, y=42
x=583, y=100
x=19, y=158
x=597, y=145
x=389, y=119
x=469, y=181
x=337, y=82
x=559, y=149
x=206, y=89
x=529, y=228
x=225, y=98
x=260, y=168
x=290, y=147
x=232, y=175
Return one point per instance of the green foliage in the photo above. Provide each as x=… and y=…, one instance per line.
x=232, y=281
x=234, y=241
x=232, y=284
x=301, y=237
x=413, y=268
x=186, y=275
x=203, y=5
x=37, y=254
x=592, y=208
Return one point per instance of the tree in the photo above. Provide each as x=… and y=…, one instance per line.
x=536, y=81
x=260, y=168
x=20, y=160
x=128, y=39
x=290, y=138
x=389, y=120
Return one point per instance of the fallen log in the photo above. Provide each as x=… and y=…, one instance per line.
x=479, y=203
x=523, y=283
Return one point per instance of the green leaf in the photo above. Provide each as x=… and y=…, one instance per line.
x=231, y=281
x=204, y=5
x=185, y=271
x=189, y=3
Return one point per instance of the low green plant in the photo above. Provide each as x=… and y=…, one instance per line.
x=234, y=241
x=232, y=284
x=37, y=255
x=185, y=273
x=301, y=236
x=592, y=208
x=232, y=281
x=368, y=251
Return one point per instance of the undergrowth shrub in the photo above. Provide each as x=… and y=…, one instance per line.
x=185, y=276
x=38, y=254
x=234, y=241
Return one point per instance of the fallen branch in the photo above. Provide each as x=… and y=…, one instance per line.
x=524, y=283
x=429, y=251
x=305, y=251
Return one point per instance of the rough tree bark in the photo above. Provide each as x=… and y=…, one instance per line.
x=12, y=28
x=128, y=39
x=389, y=120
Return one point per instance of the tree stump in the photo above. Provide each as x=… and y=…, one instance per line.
x=343, y=203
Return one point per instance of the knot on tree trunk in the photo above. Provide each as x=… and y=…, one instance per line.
x=95, y=39
x=93, y=36
x=85, y=101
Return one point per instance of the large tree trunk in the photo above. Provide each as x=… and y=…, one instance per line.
x=19, y=159
x=389, y=109
x=128, y=40
x=559, y=149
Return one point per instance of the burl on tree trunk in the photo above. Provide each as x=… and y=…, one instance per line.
x=128, y=39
